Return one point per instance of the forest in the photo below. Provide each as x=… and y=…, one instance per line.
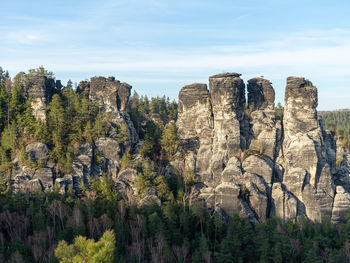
x=339, y=123
x=97, y=225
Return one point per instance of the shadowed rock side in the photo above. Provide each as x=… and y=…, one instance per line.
x=250, y=162
x=40, y=89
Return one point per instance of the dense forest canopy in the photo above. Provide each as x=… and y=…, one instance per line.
x=97, y=225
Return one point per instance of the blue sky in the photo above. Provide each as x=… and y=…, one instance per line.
x=160, y=46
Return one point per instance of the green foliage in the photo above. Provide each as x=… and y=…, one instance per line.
x=170, y=142
x=178, y=231
x=141, y=109
x=123, y=135
x=125, y=162
x=339, y=123
x=85, y=250
x=145, y=178
x=279, y=109
x=40, y=71
x=190, y=234
x=151, y=146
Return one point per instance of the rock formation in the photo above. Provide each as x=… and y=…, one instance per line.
x=249, y=161
x=40, y=89
x=107, y=92
x=246, y=159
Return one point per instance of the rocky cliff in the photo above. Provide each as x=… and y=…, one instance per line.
x=249, y=161
x=246, y=159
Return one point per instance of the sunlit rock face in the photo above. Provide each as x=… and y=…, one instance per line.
x=40, y=90
x=109, y=93
x=307, y=165
x=249, y=161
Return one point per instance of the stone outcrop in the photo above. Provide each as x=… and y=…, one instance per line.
x=217, y=120
x=107, y=92
x=25, y=179
x=306, y=162
x=40, y=89
x=249, y=161
x=37, y=152
x=112, y=96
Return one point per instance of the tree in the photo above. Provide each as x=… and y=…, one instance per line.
x=123, y=135
x=40, y=71
x=170, y=142
x=69, y=84
x=3, y=106
x=279, y=110
x=87, y=250
x=151, y=146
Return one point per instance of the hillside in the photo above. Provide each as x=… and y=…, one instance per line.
x=221, y=176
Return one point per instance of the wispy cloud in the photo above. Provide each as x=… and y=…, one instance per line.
x=23, y=37
x=153, y=44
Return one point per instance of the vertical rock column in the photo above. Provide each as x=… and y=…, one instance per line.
x=307, y=171
x=264, y=125
x=227, y=93
x=195, y=127
x=227, y=186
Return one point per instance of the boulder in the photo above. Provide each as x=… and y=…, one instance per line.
x=45, y=177
x=37, y=152
x=110, y=150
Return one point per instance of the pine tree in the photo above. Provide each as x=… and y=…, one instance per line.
x=87, y=250
x=170, y=142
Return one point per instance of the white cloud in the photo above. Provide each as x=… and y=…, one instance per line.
x=23, y=37
x=318, y=56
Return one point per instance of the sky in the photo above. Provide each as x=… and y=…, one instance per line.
x=160, y=46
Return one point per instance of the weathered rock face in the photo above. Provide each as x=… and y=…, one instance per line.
x=300, y=115
x=111, y=152
x=26, y=180
x=37, y=152
x=113, y=96
x=91, y=160
x=246, y=160
x=40, y=89
x=264, y=128
x=217, y=119
x=195, y=124
x=227, y=93
x=306, y=161
x=341, y=205
x=261, y=95
x=84, y=88
x=107, y=92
